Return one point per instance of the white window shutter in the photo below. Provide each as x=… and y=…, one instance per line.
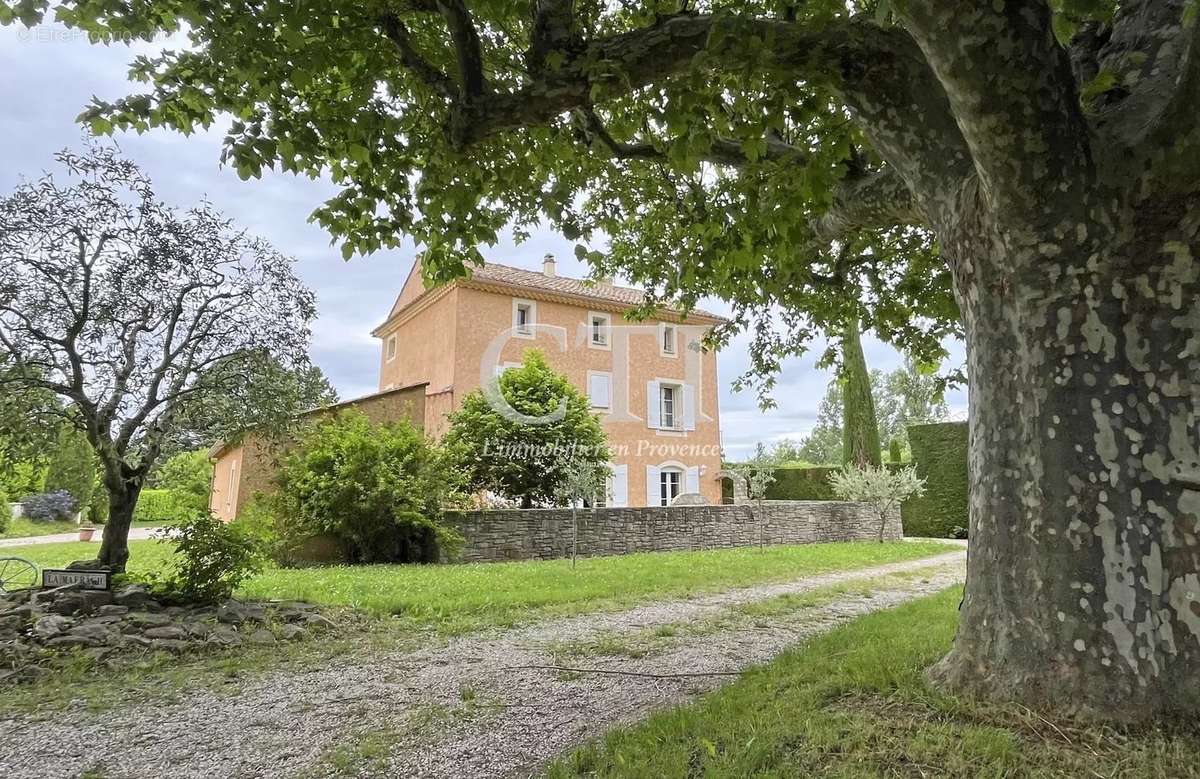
x=653, y=488
x=653, y=406
x=598, y=390
x=689, y=407
x=693, y=479
x=620, y=486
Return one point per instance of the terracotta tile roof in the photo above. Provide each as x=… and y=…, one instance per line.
x=597, y=290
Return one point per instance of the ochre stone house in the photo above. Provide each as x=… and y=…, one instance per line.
x=654, y=389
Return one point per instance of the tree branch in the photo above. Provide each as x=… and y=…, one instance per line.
x=723, y=151
x=466, y=47
x=553, y=23
x=873, y=201
x=1010, y=86
x=396, y=31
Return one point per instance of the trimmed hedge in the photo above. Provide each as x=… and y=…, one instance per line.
x=939, y=452
x=802, y=484
x=160, y=506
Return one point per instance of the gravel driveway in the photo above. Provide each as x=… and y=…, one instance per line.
x=471, y=707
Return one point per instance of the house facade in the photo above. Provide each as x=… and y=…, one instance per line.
x=654, y=389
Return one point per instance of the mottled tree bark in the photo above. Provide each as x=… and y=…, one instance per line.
x=123, y=491
x=1084, y=354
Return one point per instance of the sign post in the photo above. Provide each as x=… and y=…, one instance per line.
x=87, y=580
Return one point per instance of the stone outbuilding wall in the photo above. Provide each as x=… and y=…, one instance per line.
x=545, y=534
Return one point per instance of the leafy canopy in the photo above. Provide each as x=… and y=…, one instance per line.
x=701, y=156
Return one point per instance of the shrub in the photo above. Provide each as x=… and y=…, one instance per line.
x=939, y=453
x=379, y=490
x=97, y=512
x=160, y=506
x=885, y=489
x=5, y=512
x=51, y=506
x=211, y=558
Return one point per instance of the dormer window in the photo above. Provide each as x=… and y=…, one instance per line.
x=599, y=330
x=524, y=318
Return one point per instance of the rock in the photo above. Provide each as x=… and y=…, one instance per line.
x=66, y=642
x=97, y=632
x=23, y=612
x=223, y=635
x=234, y=612
x=87, y=565
x=134, y=639
x=320, y=621
x=173, y=646
x=198, y=629
x=134, y=596
x=113, y=609
x=167, y=632
x=261, y=636
x=51, y=626
x=12, y=623
x=43, y=598
x=82, y=602
x=293, y=633
x=143, y=619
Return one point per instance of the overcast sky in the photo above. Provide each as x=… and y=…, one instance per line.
x=48, y=76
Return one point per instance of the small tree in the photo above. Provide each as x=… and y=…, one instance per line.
x=378, y=489
x=884, y=489
x=758, y=473
x=501, y=450
x=133, y=313
x=860, y=429
x=582, y=479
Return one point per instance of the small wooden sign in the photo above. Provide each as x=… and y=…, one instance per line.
x=88, y=580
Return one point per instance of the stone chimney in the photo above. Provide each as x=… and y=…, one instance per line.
x=548, y=265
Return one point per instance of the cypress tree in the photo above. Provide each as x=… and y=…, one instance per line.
x=860, y=430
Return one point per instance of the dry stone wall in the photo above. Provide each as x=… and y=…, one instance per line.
x=545, y=534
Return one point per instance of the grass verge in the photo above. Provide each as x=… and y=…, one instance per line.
x=458, y=598
x=854, y=703
x=27, y=528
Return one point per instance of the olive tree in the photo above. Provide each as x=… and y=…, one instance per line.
x=1021, y=171
x=132, y=312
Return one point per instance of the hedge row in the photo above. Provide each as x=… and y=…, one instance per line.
x=160, y=506
x=940, y=455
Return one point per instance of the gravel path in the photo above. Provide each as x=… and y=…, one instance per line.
x=135, y=534
x=459, y=709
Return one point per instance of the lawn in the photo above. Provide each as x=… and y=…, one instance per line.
x=854, y=703
x=457, y=598
x=24, y=528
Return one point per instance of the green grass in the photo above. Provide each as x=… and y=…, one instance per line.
x=854, y=703
x=24, y=528
x=458, y=598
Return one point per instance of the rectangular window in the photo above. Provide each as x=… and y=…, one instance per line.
x=668, y=482
x=523, y=318
x=599, y=326
x=391, y=347
x=668, y=340
x=667, y=397
x=600, y=389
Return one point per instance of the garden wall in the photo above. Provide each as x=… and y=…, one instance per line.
x=544, y=534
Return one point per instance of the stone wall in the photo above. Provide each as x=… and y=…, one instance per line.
x=544, y=534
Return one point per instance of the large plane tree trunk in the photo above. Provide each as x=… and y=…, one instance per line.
x=1084, y=359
